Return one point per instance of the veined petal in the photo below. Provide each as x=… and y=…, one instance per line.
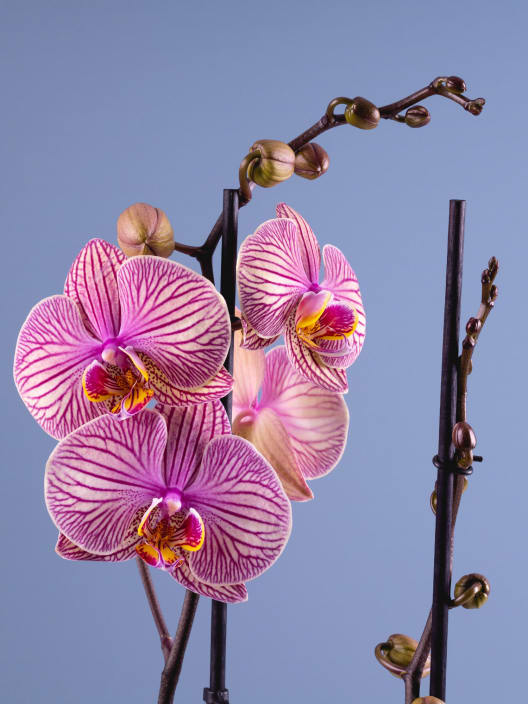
x=246, y=513
x=170, y=395
x=98, y=384
x=92, y=283
x=269, y=436
x=339, y=354
x=310, y=365
x=135, y=400
x=342, y=281
x=248, y=373
x=315, y=420
x=271, y=276
x=231, y=593
x=52, y=351
x=308, y=245
x=174, y=316
x=102, y=477
x=188, y=432
x=69, y=551
x=251, y=339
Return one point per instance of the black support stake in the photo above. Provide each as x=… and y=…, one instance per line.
x=445, y=457
x=217, y=693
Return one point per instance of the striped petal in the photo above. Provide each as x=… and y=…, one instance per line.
x=246, y=513
x=251, y=339
x=249, y=369
x=231, y=593
x=267, y=434
x=92, y=283
x=69, y=551
x=316, y=420
x=310, y=365
x=341, y=279
x=101, y=479
x=52, y=351
x=170, y=395
x=174, y=316
x=308, y=245
x=271, y=276
x=188, y=432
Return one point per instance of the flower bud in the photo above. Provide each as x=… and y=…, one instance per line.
x=468, y=580
x=464, y=437
x=361, y=113
x=455, y=84
x=311, y=161
x=417, y=116
x=276, y=163
x=473, y=326
x=143, y=229
x=428, y=700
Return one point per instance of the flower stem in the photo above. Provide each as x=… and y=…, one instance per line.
x=173, y=665
x=155, y=608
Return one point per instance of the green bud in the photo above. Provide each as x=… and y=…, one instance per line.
x=143, y=229
x=401, y=649
x=276, y=163
x=361, y=113
x=311, y=161
x=467, y=581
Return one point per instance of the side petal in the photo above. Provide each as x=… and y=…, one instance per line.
x=231, y=593
x=248, y=373
x=308, y=245
x=309, y=365
x=246, y=513
x=271, y=276
x=69, y=551
x=315, y=420
x=174, y=316
x=341, y=279
x=251, y=339
x=101, y=478
x=92, y=283
x=188, y=432
x=269, y=436
x=170, y=395
x=52, y=351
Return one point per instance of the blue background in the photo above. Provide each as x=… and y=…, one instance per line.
x=108, y=103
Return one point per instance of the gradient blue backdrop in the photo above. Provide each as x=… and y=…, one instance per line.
x=108, y=103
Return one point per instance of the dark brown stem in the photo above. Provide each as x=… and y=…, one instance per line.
x=174, y=662
x=161, y=626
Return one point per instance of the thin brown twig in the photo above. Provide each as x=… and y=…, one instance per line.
x=155, y=608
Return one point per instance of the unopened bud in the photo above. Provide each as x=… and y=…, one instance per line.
x=467, y=581
x=361, y=113
x=473, y=326
x=493, y=264
x=275, y=164
x=417, y=116
x=143, y=229
x=428, y=700
x=455, y=84
x=311, y=161
x=494, y=292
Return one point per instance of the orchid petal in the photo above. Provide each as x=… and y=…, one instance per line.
x=231, y=593
x=99, y=384
x=308, y=245
x=69, y=551
x=339, y=354
x=92, y=283
x=311, y=307
x=174, y=316
x=309, y=365
x=316, y=420
x=251, y=339
x=52, y=351
x=246, y=513
x=341, y=279
x=249, y=369
x=168, y=394
x=269, y=436
x=271, y=276
x=102, y=477
x=188, y=432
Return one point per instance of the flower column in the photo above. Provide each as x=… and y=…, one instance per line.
x=217, y=693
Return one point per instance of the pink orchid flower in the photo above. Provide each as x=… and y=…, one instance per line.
x=177, y=489
x=124, y=331
x=278, y=283
x=300, y=428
